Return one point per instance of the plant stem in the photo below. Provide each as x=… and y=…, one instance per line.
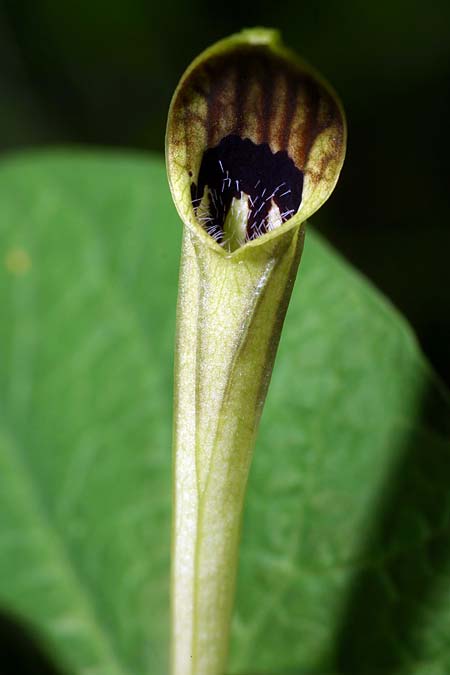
x=231, y=310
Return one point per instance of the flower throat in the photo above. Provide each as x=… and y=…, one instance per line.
x=245, y=190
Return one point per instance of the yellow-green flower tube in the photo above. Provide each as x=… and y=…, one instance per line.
x=255, y=143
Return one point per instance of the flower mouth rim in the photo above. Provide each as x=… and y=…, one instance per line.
x=271, y=39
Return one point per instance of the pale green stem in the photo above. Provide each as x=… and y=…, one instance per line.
x=230, y=314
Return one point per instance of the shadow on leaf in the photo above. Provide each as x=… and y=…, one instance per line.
x=405, y=560
x=20, y=650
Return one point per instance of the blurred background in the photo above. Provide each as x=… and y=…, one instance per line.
x=102, y=72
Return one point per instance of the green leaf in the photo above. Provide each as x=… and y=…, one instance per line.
x=345, y=561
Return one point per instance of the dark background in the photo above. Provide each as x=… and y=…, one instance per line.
x=102, y=72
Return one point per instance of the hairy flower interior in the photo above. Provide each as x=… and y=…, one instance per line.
x=244, y=190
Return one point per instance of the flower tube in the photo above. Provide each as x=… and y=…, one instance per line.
x=255, y=143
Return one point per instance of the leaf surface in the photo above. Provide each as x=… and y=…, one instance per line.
x=345, y=563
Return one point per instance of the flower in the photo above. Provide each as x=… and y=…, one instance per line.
x=255, y=143
x=255, y=140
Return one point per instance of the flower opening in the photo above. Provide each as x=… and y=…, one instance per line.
x=245, y=190
x=255, y=140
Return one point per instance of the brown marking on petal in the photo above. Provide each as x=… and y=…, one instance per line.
x=252, y=106
x=253, y=92
x=221, y=105
x=201, y=89
x=300, y=143
x=286, y=122
x=278, y=108
x=267, y=79
x=326, y=159
x=296, y=130
x=240, y=92
x=311, y=129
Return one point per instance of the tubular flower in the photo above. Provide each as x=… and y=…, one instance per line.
x=255, y=143
x=255, y=140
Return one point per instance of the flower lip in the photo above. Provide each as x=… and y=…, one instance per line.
x=252, y=105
